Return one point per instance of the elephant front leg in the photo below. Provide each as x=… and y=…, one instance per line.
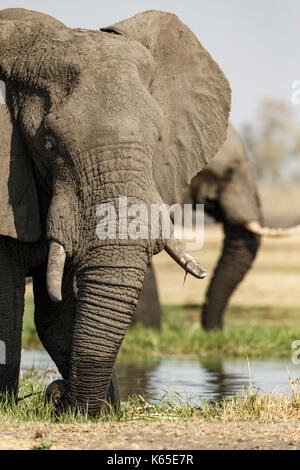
x=54, y=321
x=12, y=290
x=148, y=308
x=57, y=390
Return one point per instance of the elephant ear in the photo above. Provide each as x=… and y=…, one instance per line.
x=191, y=90
x=238, y=196
x=19, y=208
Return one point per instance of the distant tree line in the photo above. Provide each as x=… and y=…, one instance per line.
x=273, y=142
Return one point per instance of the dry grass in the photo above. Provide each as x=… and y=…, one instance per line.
x=247, y=421
x=247, y=406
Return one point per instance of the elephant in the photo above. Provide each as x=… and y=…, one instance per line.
x=132, y=110
x=228, y=190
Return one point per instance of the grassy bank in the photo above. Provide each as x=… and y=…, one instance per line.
x=248, y=406
x=256, y=332
x=247, y=421
x=250, y=331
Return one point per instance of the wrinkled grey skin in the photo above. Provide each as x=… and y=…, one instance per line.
x=91, y=116
x=228, y=191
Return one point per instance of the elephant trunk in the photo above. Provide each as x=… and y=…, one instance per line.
x=108, y=291
x=239, y=250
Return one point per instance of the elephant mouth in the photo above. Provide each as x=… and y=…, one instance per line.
x=57, y=258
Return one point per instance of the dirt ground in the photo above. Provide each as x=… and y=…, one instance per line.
x=157, y=436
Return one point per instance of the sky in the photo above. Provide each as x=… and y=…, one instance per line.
x=256, y=42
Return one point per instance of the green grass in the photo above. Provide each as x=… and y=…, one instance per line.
x=249, y=331
x=32, y=406
x=44, y=445
x=256, y=332
x=247, y=406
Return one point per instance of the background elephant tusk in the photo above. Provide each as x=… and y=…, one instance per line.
x=175, y=249
x=258, y=229
x=55, y=270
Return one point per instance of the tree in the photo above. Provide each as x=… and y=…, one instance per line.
x=274, y=140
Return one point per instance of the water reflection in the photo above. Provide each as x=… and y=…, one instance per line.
x=221, y=382
x=134, y=375
x=191, y=377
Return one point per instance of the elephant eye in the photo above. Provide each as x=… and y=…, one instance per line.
x=50, y=144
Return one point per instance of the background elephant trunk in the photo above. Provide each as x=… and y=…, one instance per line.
x=108, y=291
x=239, y=250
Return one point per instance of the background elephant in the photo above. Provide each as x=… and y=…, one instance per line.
x=229, y=193
x=132, y=110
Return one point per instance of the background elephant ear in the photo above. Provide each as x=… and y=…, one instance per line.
x=19, y=208
x=192, y=92
x=238, y=196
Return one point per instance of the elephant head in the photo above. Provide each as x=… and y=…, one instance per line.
x=135, y=110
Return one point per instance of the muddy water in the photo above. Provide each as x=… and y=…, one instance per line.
x=188, y=377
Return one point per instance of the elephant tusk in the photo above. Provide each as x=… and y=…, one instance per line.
x=55, y=270
x=175, y=249
x=255, y=227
